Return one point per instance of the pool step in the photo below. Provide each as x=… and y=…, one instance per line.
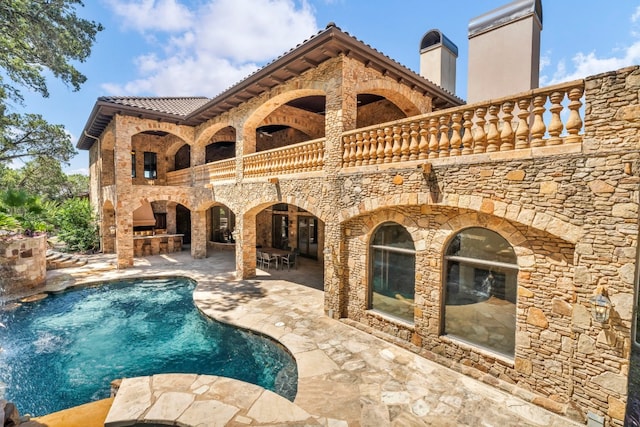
x=56, y=260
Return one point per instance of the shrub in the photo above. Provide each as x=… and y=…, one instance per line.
x=77, y=226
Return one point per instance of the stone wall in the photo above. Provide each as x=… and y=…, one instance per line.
x=570, y=212
x=23, y=264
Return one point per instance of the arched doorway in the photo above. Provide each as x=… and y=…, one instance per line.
x=183, y=223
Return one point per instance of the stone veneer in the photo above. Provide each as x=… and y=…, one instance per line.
x=23, y=264
x=570, y=211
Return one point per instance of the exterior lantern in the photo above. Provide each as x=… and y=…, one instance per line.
x=600, y=305
x=112, y=230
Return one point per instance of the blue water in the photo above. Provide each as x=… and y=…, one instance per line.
x=65, y=350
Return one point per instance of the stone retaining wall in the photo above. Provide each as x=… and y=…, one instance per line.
x=23, y=264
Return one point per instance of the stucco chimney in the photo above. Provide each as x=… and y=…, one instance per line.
x=504, y=50
x=438, y=57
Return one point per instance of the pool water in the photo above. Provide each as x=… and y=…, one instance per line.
x=65, y=350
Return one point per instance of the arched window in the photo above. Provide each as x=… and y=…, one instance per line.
x=481, y=281
x=392, y=272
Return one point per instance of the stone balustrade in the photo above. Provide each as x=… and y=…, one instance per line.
x=215, y=171
x=180, y=177
x=303, y=157
x=541, y=117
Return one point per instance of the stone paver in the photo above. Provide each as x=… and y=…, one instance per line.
x=347, y=377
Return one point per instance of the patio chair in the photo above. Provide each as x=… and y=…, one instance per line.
x=289, y=260
x=267, y=259
x=259, y=259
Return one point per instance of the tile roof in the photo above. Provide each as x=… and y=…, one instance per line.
x=179, y=106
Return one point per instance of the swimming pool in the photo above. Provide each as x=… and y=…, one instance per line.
x=65, y=350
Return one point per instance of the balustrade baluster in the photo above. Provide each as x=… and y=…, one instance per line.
x=444, y=136
x=555, y=125
x=352, y=150
x=404, y=148
x=388, y=145
x=395, y=148
x=467, y=138
x=538, y=128
x=493, y=137
x=358, y=149
x=433, y=138
x=456, y=140
x=345, y=153
x=507, y=135
x=522, y=133
x=423, y=146
x=373, y=151
x=574, y=122
x=365, y=148
x=321, y=154
x=480, y=136
x=317, y=158
x=413, y=145
x=381, y=146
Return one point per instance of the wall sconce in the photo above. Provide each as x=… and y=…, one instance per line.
x=426, y=168
x=600, y=305
x=273, y=180
x=112, y=230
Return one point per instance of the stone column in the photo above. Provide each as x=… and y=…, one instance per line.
x=341, y=112
x=123, y=191
x=198, y=234
x=245, y=235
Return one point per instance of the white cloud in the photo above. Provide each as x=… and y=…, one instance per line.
x=224, y=41
x=145, y=15
x=588, y=64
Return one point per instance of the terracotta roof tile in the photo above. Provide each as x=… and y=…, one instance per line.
x=179, y=106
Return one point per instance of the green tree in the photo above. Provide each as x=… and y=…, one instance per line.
x=44, y=177
x=77, y=225
x=36, y=36
x=25, y=209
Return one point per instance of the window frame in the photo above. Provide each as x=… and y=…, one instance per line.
x=371, y=271
x=150, y=167
x=482, y=264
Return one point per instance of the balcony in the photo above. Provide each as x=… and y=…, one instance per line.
x=520, y=125
x=525, y=121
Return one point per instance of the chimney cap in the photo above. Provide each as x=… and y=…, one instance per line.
x=434, y=38
x=504, y=14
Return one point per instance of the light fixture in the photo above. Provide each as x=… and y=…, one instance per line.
x=112, y=230
x=600, y=305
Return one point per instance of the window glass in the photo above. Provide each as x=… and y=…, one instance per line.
x=481, y=280
x=392, y=272
x=133, y=164
x=150, y=165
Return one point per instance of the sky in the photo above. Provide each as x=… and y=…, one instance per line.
x=203, y=47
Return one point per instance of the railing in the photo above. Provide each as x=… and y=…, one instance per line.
x=180, y=177
x=303, y=157
x=473, y=129
x=215, y=171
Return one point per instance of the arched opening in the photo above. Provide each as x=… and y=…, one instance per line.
x=223, y=224
x=221, y=146
x=299, y=120
x=182, y=158
x=108, y=231
x=374, y=109
x=392, y=269
x=183, y=223
x=289, y=231
x=480, y=291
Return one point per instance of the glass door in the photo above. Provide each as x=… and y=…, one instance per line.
x=308, y=236
x=280, y=232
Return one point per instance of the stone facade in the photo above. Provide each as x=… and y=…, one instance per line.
x=23, y=265
x=563, y=192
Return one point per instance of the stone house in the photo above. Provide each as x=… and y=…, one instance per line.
x=473, y=234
